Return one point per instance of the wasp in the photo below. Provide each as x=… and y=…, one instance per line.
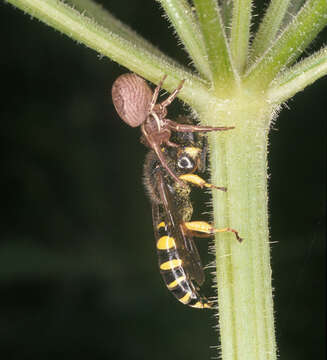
x=136, y=104
x=179, y=260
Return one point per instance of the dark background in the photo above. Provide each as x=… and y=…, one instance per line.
x=78, y=269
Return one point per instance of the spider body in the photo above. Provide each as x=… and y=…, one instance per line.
x=136, y=104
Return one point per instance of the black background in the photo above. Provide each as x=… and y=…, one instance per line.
x=78, y=266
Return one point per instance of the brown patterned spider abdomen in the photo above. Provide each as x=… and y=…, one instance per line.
x=131, y=97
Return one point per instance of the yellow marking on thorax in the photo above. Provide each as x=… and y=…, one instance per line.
x=171, y=264
x=166, y=243
x=185, y=299
x=176, y=282
x=162, y=224
x=192, y=151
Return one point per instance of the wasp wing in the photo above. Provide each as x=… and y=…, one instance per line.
x=194, y=265
x=168, y=211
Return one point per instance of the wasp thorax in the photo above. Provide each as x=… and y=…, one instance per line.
x=131, y=96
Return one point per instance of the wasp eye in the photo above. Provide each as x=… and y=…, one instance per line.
x=185, y=163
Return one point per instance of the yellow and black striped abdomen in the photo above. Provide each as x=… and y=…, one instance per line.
x=173, y=272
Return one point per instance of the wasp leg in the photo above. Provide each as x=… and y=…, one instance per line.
x=195, y=128
x=198, y=181
x=205, y=228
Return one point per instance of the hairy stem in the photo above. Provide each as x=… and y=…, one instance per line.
x=104, y=18
x=298, y=77
x=186, y=26
x=269, y=27
x=290, y=44
x=109, y=42
x=240, y=33
x=216, y=44
x=239, y=161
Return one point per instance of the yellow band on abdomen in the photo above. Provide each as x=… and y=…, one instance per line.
x=171, y=264
x=166, y=243
x=176, y=282
x=185, y=298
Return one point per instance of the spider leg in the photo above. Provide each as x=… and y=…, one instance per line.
x=156, y=93
x=171, y=144
x=172, y=96
x=155, y=145
x=163, y=161
x=195, y=128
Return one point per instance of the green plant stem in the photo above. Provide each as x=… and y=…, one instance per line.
x=180, y=14
x=239, y=161
x=293, y=8
x=103, y=17
x=240, y=33
x=269, y=27
x=298, y=77
x=226, y=11
x=214, y=37
x=106, y=42
x=291, y=43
